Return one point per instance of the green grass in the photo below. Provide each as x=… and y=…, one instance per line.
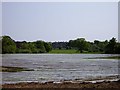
x=71, y=51
x=63, y=51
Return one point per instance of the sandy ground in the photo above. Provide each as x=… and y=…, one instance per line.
x=67, y=85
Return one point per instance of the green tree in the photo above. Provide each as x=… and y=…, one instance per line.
x=8, y=45
x=40, y=46
x=99, y=46
x=93, y=48
x=71, y=44
x=80, y=44
x=48, y=46
x=23, y=47
x=117, y=48
x=32, y=47
x=110, y=47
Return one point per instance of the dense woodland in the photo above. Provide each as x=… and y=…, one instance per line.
x=79, y=44
x=11, y=46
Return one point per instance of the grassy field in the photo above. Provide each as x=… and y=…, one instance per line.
x=63, y=51
x=71, y=51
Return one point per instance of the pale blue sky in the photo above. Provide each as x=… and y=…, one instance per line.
x=60, y=21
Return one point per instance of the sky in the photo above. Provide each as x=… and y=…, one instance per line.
x=0, y=35
x=119, y=22
x=60, y=21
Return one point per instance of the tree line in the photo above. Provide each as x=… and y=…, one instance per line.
x=11, y=46
x=108, y=47
x=79, y=44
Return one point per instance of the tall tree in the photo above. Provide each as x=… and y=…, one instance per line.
x=47, y=46
x=8, y=45
x=40, y=46
x=110, y=47
x=117, y=48
x=79, y=43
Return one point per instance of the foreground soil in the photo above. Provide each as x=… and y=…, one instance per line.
x=51, y=85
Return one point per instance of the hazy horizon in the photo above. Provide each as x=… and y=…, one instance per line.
x=60, y=21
